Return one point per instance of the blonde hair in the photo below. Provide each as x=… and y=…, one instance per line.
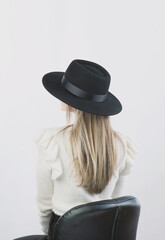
x=96, y=146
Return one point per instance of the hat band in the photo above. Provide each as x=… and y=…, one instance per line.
x=81, y=93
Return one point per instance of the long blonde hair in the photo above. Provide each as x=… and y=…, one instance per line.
x=96, y=146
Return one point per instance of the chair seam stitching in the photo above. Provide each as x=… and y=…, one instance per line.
x=115, y=220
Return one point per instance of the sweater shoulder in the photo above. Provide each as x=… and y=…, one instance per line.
x=130, y=154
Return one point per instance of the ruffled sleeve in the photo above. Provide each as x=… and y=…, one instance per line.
x=48, y=169
x=131, y=154
x=47, y=142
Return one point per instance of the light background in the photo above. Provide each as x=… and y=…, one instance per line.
x=37, y=37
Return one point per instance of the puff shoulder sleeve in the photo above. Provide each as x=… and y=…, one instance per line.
x=48, y=169
x=131, y=154
x=48, y=147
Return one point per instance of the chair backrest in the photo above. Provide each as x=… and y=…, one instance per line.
x=112, y=219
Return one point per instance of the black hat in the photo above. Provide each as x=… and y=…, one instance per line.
x=84, y=85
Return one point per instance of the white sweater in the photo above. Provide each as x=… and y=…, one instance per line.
x=56, y=189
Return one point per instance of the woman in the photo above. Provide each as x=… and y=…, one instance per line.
x=85, y=161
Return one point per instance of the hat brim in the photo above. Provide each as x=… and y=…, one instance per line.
x=52, y=83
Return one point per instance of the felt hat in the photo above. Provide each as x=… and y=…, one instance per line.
x=84, y=85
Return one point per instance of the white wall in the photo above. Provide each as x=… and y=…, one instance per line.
x=126, y=37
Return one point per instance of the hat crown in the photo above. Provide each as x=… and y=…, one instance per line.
x=88, y=76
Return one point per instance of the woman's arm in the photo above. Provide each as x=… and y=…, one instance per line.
x=44, y=190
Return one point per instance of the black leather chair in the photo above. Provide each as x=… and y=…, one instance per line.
x=113, y=219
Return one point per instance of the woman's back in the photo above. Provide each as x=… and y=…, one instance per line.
x=56, y=186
